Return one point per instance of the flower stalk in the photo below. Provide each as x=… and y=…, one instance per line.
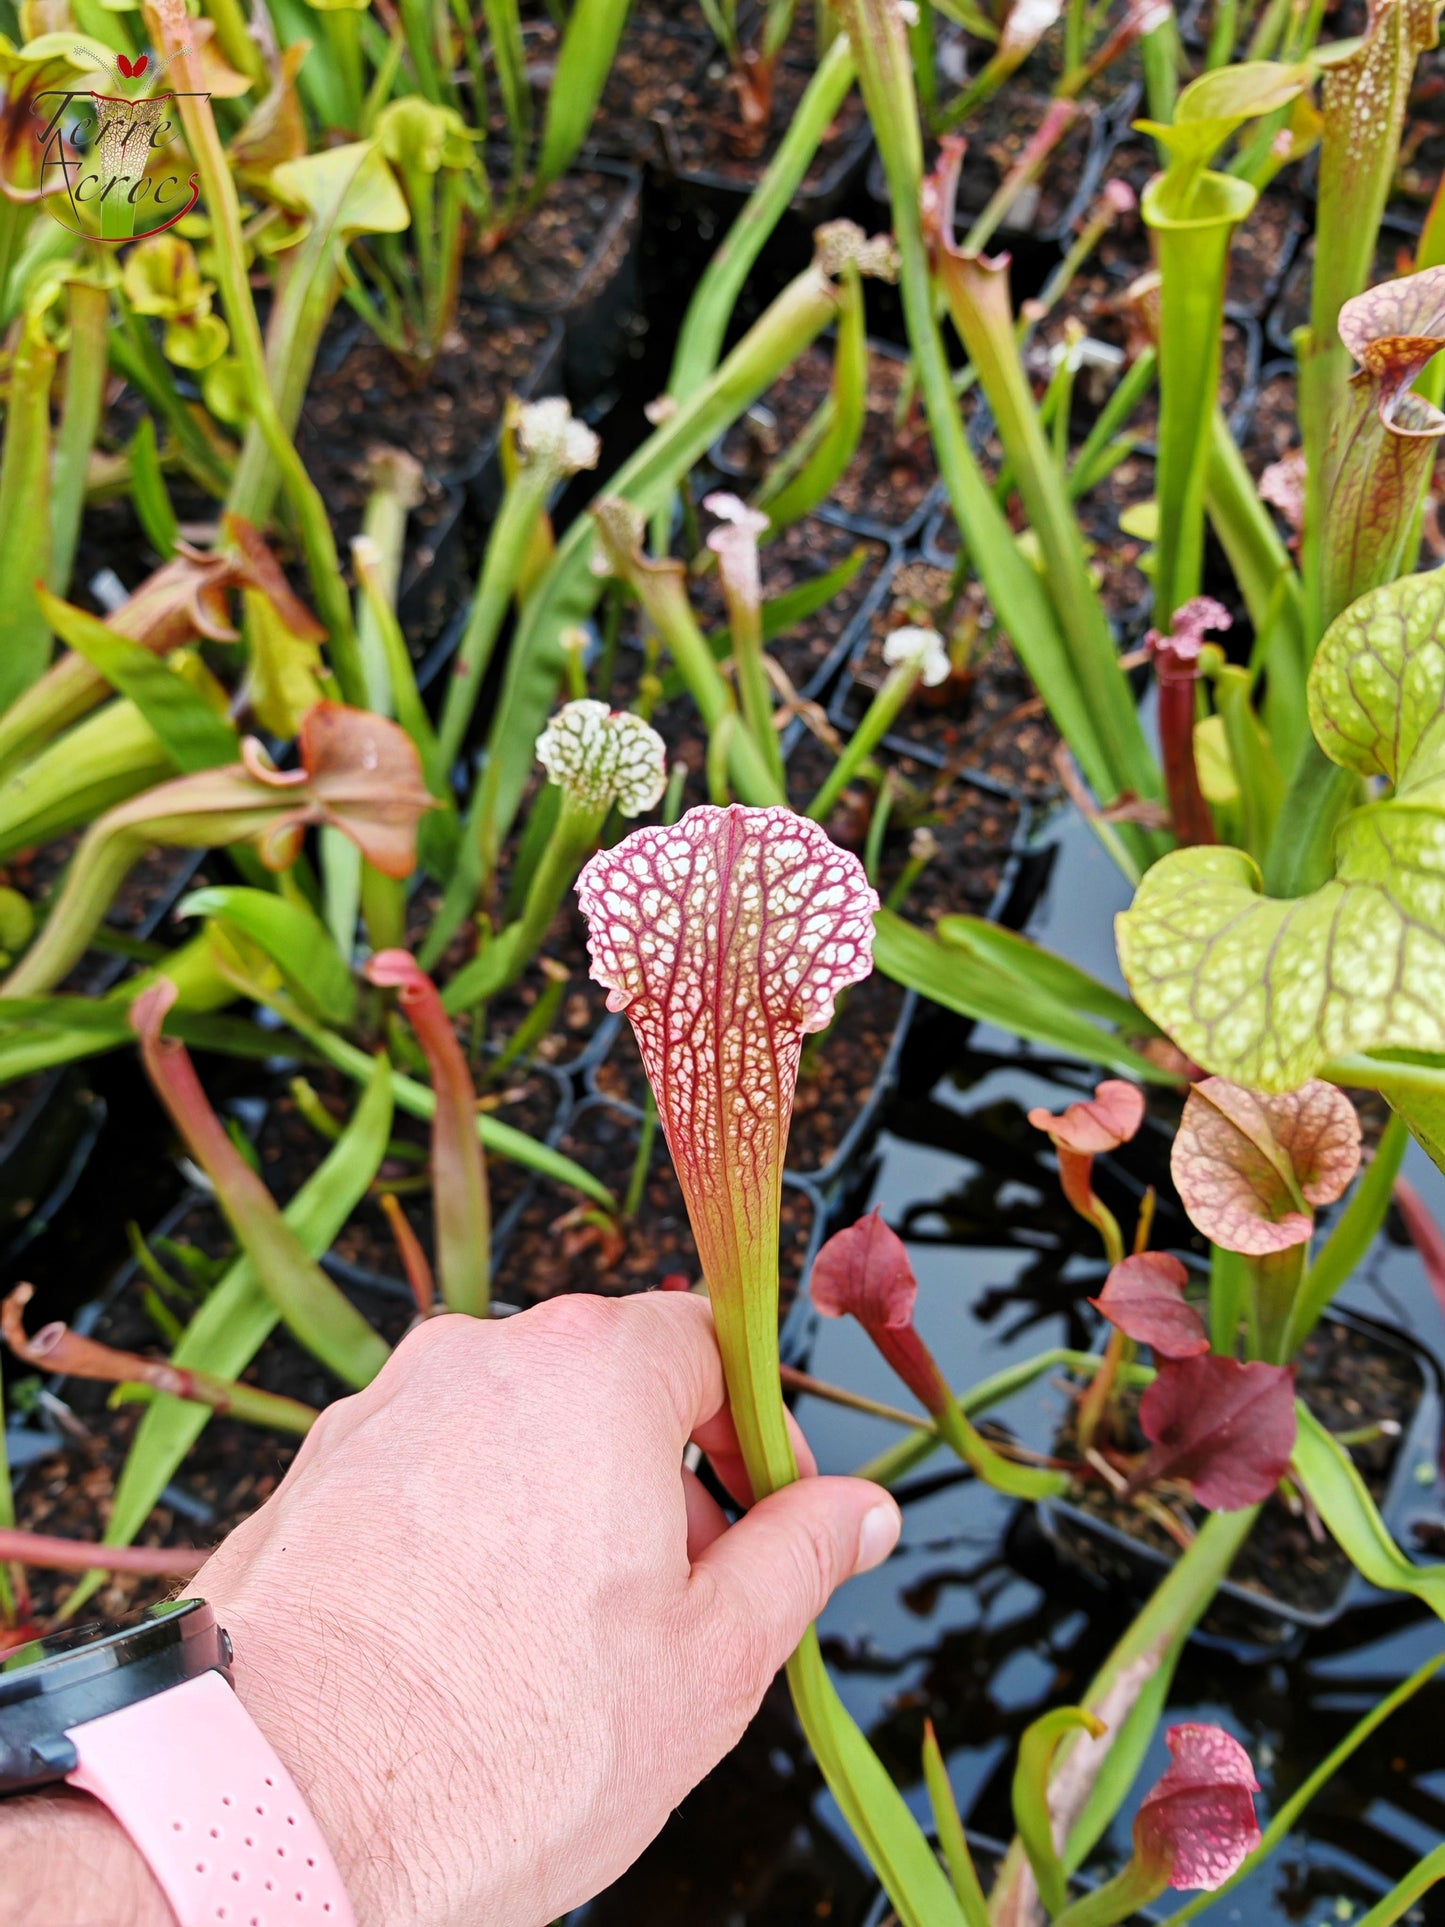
x=661, y=588
x=551, y=447
x=735, y=544
x=913, y=656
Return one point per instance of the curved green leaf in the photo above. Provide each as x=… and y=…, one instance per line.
x=594, y=28
x=976, y=981
x=1343, y=1502
x=293, y=937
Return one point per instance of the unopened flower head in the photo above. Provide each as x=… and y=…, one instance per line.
x=601, y=756
x=922, y=647
x=735, y=544
x=836, y=243
x=547, y=432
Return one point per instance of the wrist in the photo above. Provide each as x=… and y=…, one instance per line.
x=64, y=1858
x=297, y=1681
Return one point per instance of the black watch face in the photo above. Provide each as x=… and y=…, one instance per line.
x=76, y=1639
x=52, y=1684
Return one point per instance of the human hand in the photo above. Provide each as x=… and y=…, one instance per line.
x=494, y=1629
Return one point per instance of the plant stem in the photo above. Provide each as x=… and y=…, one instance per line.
x=869, y=731
x=86, y=368
x=77, y=1555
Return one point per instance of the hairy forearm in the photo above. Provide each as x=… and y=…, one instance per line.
x=64, y=1862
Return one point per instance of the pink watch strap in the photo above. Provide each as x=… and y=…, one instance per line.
x=195, y=1784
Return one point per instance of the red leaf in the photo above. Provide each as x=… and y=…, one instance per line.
x=1247, y=1166
x=1144, y=1297
x=866, y=1271
x=1227, y=1428
x=123, y=62
x=1100, y=1123
x=1198, y=1823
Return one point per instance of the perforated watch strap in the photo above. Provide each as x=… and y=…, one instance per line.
x=194, y=1782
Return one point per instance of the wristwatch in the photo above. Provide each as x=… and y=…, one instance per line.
x=141, y=1714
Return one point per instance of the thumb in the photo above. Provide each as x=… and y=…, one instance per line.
x=766, y=1579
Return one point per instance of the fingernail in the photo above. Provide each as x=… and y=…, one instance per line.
x=877, y=1536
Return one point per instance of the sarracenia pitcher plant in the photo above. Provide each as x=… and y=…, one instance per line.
x=726, y=938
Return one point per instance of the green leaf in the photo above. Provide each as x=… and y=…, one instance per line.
x=797, y=492
x=1403, y=1895
x=25, y=511
x=194, y=732
x=948, y=1825
x=148, y=490
x=1055, y=976
x=1343, y=1502
x=238, y=1316
x=293, y=936
x=871, y=1803
x=1377, y=689
x=584, y=60
x=102, y=761
x=977, y=982
x=1218, y=103
x=1266, y=991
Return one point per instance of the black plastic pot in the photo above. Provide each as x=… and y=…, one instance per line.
x=45, y=1148
x=719, y=197
x=597, y=305
x=1244, y=1620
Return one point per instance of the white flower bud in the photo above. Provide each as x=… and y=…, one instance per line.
x=923, y=649
x=601, y=756
x=547, y=432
